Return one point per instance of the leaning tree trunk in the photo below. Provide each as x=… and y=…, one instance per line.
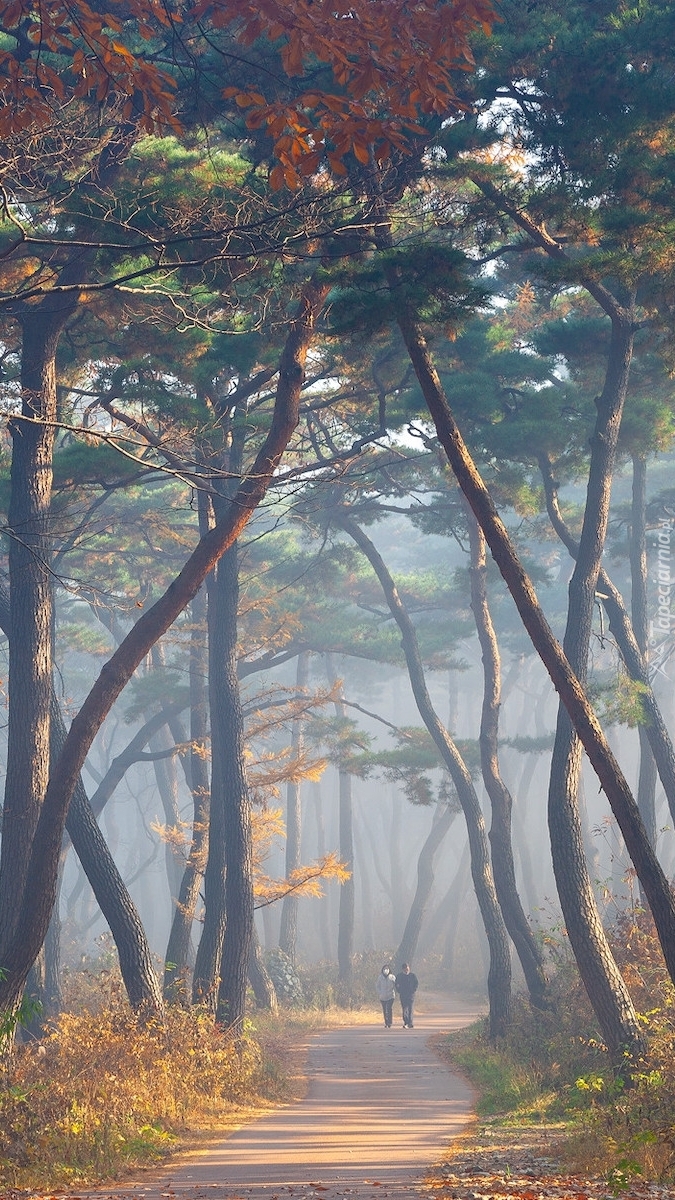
x=113, y=899
x=442, y=820
x=499, y=973
x=136, y=966
x=516, y=922
x=110, y=892
x=288, y=932
x=34, y=909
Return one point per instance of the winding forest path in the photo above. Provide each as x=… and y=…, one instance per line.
x=380, y=1108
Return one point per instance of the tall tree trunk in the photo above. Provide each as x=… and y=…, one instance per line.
x=499, y=974
x=516, y=922
x=30, y=646
x=231, y=800
x=178, y=945
x=206, y=979
x=37, y=900
x=288, y=933
x=442, y=820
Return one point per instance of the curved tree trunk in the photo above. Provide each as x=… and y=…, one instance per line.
x=28, y=625
x=442, y=820
x=499, y=974
x=516, y=922
x=288, y=933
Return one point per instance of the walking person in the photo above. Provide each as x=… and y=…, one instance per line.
x=406, y=985
x=386, y=992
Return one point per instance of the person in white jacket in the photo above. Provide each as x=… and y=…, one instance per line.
x=386, y=992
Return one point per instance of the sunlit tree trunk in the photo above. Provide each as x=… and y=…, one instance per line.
x=231, y=800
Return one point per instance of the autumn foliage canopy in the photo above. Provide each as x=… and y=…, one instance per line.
x=380, y=63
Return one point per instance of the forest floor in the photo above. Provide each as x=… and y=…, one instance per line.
x=497, y=1161
x=374, y=1110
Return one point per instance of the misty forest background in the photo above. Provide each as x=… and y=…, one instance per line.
x=295, y=784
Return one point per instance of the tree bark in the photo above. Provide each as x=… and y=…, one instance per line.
x=516, y=922
x=499, y=974
x=30, y=646
x=37, y=898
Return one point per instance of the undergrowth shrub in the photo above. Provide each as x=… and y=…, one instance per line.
x=100, y=1091
x=554, y=1065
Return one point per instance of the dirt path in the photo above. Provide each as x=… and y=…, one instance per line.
x=379, y=1110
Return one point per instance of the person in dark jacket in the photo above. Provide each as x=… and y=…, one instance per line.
x=406, y=985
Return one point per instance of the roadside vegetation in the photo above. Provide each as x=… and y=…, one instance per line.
x=101, y=1094
x=553, y=1072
